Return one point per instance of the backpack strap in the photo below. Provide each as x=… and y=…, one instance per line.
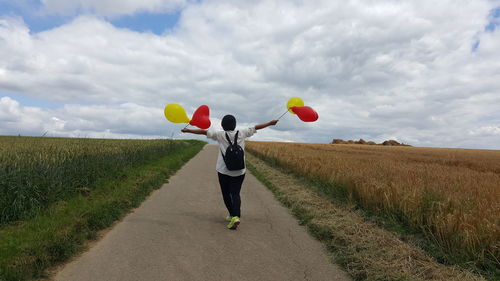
x=236, y=138
x=229, y=140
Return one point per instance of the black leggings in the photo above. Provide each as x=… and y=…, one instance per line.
x=230, y=187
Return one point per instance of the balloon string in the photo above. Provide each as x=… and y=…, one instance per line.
x=186, y=126
x=282, y=115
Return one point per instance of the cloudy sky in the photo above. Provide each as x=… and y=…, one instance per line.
x=423, y=72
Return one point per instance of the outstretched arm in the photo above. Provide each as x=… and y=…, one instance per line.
x=265, y=125
x=195, y=131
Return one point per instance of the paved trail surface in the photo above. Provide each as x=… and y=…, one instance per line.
x=179, y=233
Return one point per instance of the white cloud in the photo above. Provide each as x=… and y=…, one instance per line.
x=15, y=119
x=121, y=121
x=372, y=70
x=486, y=131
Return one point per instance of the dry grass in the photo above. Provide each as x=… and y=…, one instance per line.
x=366, y=251
x=453, y=195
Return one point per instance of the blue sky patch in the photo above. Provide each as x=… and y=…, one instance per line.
x=475, y=45
x=494, y=20
x=144, y=22
x=156, y=23
x=26, y=100
x=39, y=24
x=29, y=13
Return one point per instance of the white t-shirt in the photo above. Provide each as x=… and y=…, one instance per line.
x=220, y=137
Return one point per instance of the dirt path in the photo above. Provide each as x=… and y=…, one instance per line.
x=179, y=233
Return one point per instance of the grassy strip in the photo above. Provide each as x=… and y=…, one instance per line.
x=35, y=172
x=366, y=251
x=59, y=232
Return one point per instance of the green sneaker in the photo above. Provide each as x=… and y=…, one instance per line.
x=233, y=224
x=228, y=218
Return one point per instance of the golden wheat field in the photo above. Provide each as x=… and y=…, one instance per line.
x=451, y=194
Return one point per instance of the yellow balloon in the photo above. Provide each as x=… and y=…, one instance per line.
x=175, y=113
x=295, y=101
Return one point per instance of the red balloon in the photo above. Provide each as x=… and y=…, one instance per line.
x=201, y=118
x=305, y=113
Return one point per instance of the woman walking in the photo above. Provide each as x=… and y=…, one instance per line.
x=230, y=162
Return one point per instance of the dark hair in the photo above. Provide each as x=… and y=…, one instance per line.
x=228, y=123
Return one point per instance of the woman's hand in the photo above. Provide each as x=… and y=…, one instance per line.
x=265, y=125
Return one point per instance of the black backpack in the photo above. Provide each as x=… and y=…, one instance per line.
x=235, y=156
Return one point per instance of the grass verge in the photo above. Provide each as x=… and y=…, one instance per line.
x=364, y=249
x=28, y=248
